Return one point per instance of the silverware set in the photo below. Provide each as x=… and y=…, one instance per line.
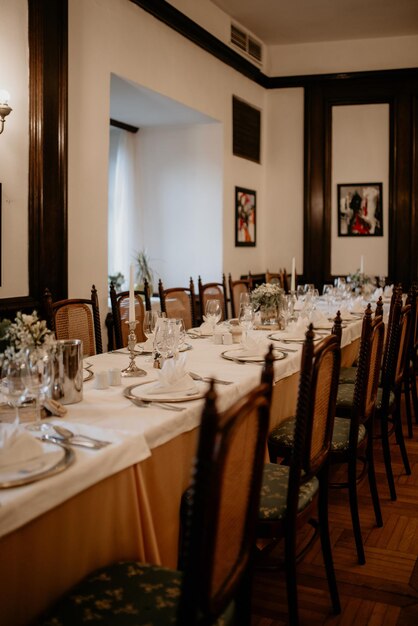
x=66, y=436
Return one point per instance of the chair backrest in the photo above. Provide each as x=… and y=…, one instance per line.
x=379, y=307
x=236, y=288
x=221, y=517
x=368, y=372
x=213, y=291
x=272, y=277
x=76, y=318
x=120, y=313
x=394, y=312
x=413, y=301
x=404, y=333
x=179, y=302
x=315, y=412
x=337, y=328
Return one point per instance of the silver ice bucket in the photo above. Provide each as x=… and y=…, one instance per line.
x=68, y=381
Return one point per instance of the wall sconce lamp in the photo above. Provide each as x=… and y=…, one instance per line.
x=4, y=107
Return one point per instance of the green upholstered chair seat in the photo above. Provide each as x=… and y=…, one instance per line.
x=347, y=375
x=345, y=399
x=283, y=433
x=341, y=433
x=274, y=492
x=134, y=594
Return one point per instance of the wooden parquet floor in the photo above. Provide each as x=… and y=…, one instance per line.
x=384, y=591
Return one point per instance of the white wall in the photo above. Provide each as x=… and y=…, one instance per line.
x=180, y=189
x=14, y=146
x=115, y=36
x=360, y=154
x=283, y=206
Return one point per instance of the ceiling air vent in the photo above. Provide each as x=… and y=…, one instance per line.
x=245, y=42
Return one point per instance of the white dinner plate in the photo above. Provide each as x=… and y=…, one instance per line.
x=235, y=354
x=139, y=351
x=146, y=391
x=55, y=458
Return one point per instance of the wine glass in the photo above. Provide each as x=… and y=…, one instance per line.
x=181, y=329
x=213, y=312
x=165, y=337
x=148, y=324
x=244, y=298
x=37, y=372
x=12, y=384
x=246, y=319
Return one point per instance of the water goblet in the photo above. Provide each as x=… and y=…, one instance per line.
x=37, y=372
x=246, y=319
x=12, y=384
x=244, y=298
x=213, y=312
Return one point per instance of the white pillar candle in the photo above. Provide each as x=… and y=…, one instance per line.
x=362, y=264
x=293, y=276
x=131, y=295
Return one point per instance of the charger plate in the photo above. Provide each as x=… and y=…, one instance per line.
x=234, y=355
x=142, y=392
x=56, y=458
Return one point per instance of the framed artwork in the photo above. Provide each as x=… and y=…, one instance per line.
x=245, y=217
x=360, y=210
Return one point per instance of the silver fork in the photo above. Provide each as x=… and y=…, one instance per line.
x=207, y=379
x=150, y=403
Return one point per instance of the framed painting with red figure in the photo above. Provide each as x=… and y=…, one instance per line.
x=360, y=210
x=245, y=217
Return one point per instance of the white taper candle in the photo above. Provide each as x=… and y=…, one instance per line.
x=131, y=295
x=293, y=276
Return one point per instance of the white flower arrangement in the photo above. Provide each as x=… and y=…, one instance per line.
x=266, y=295
x=27, y=331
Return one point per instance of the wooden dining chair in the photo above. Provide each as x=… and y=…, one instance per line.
x=120, y=313
x=213, y=291
x=272, y=277
x=291, y=494
x=219, y=535
x=76, y=318
x=388, y=406
x=236, y=288
x=410, y=374
x=179, y=302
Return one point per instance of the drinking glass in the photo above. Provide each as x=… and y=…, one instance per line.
x=213, y=312
x=246, y=319
x=166, y=336
x=149, y=322
x=181, y=329
x=244, y=298
x=37, y=371
x=12, y=384
x=327, y=292
x=286, y=308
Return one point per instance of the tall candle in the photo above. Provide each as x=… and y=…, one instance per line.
x=131, y=295
x=293, y=276
x=362, y=264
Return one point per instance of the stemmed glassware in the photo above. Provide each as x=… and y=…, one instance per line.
x=149, y=323
x=37, y=373
x=246, y=319
x=213, y=312
x=166, y=337
x=12, y=383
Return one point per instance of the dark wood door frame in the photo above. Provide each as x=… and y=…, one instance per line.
x=47, y=199
x=401, y=93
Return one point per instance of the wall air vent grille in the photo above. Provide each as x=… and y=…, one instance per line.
x=246, y=43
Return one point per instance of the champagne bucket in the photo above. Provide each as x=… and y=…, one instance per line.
x=68, y=379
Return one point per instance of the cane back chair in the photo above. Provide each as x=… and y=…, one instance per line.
x=236, y=288
x=76, y=318
x=213, y=291
x=179, y=302
x=216, y=579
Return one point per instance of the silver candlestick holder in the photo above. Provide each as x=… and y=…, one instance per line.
x=132, y=369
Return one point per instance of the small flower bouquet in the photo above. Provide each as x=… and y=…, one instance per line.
x=360, y=283
x=27, y=331
x=266, y=296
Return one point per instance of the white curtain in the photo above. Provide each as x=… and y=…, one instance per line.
x=122, y=202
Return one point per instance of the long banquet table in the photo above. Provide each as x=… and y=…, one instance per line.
x=121, y=502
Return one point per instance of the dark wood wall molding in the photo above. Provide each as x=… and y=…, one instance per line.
x=401, y=93
x=47, y=201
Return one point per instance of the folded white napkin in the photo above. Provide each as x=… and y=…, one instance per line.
x=296, y=329
x=345, y=313
x=206, y=327
x=252, y=347
x=318, y=318
x=173, y=377
x=17, y=445
x=358, y=305
x=377, y=293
